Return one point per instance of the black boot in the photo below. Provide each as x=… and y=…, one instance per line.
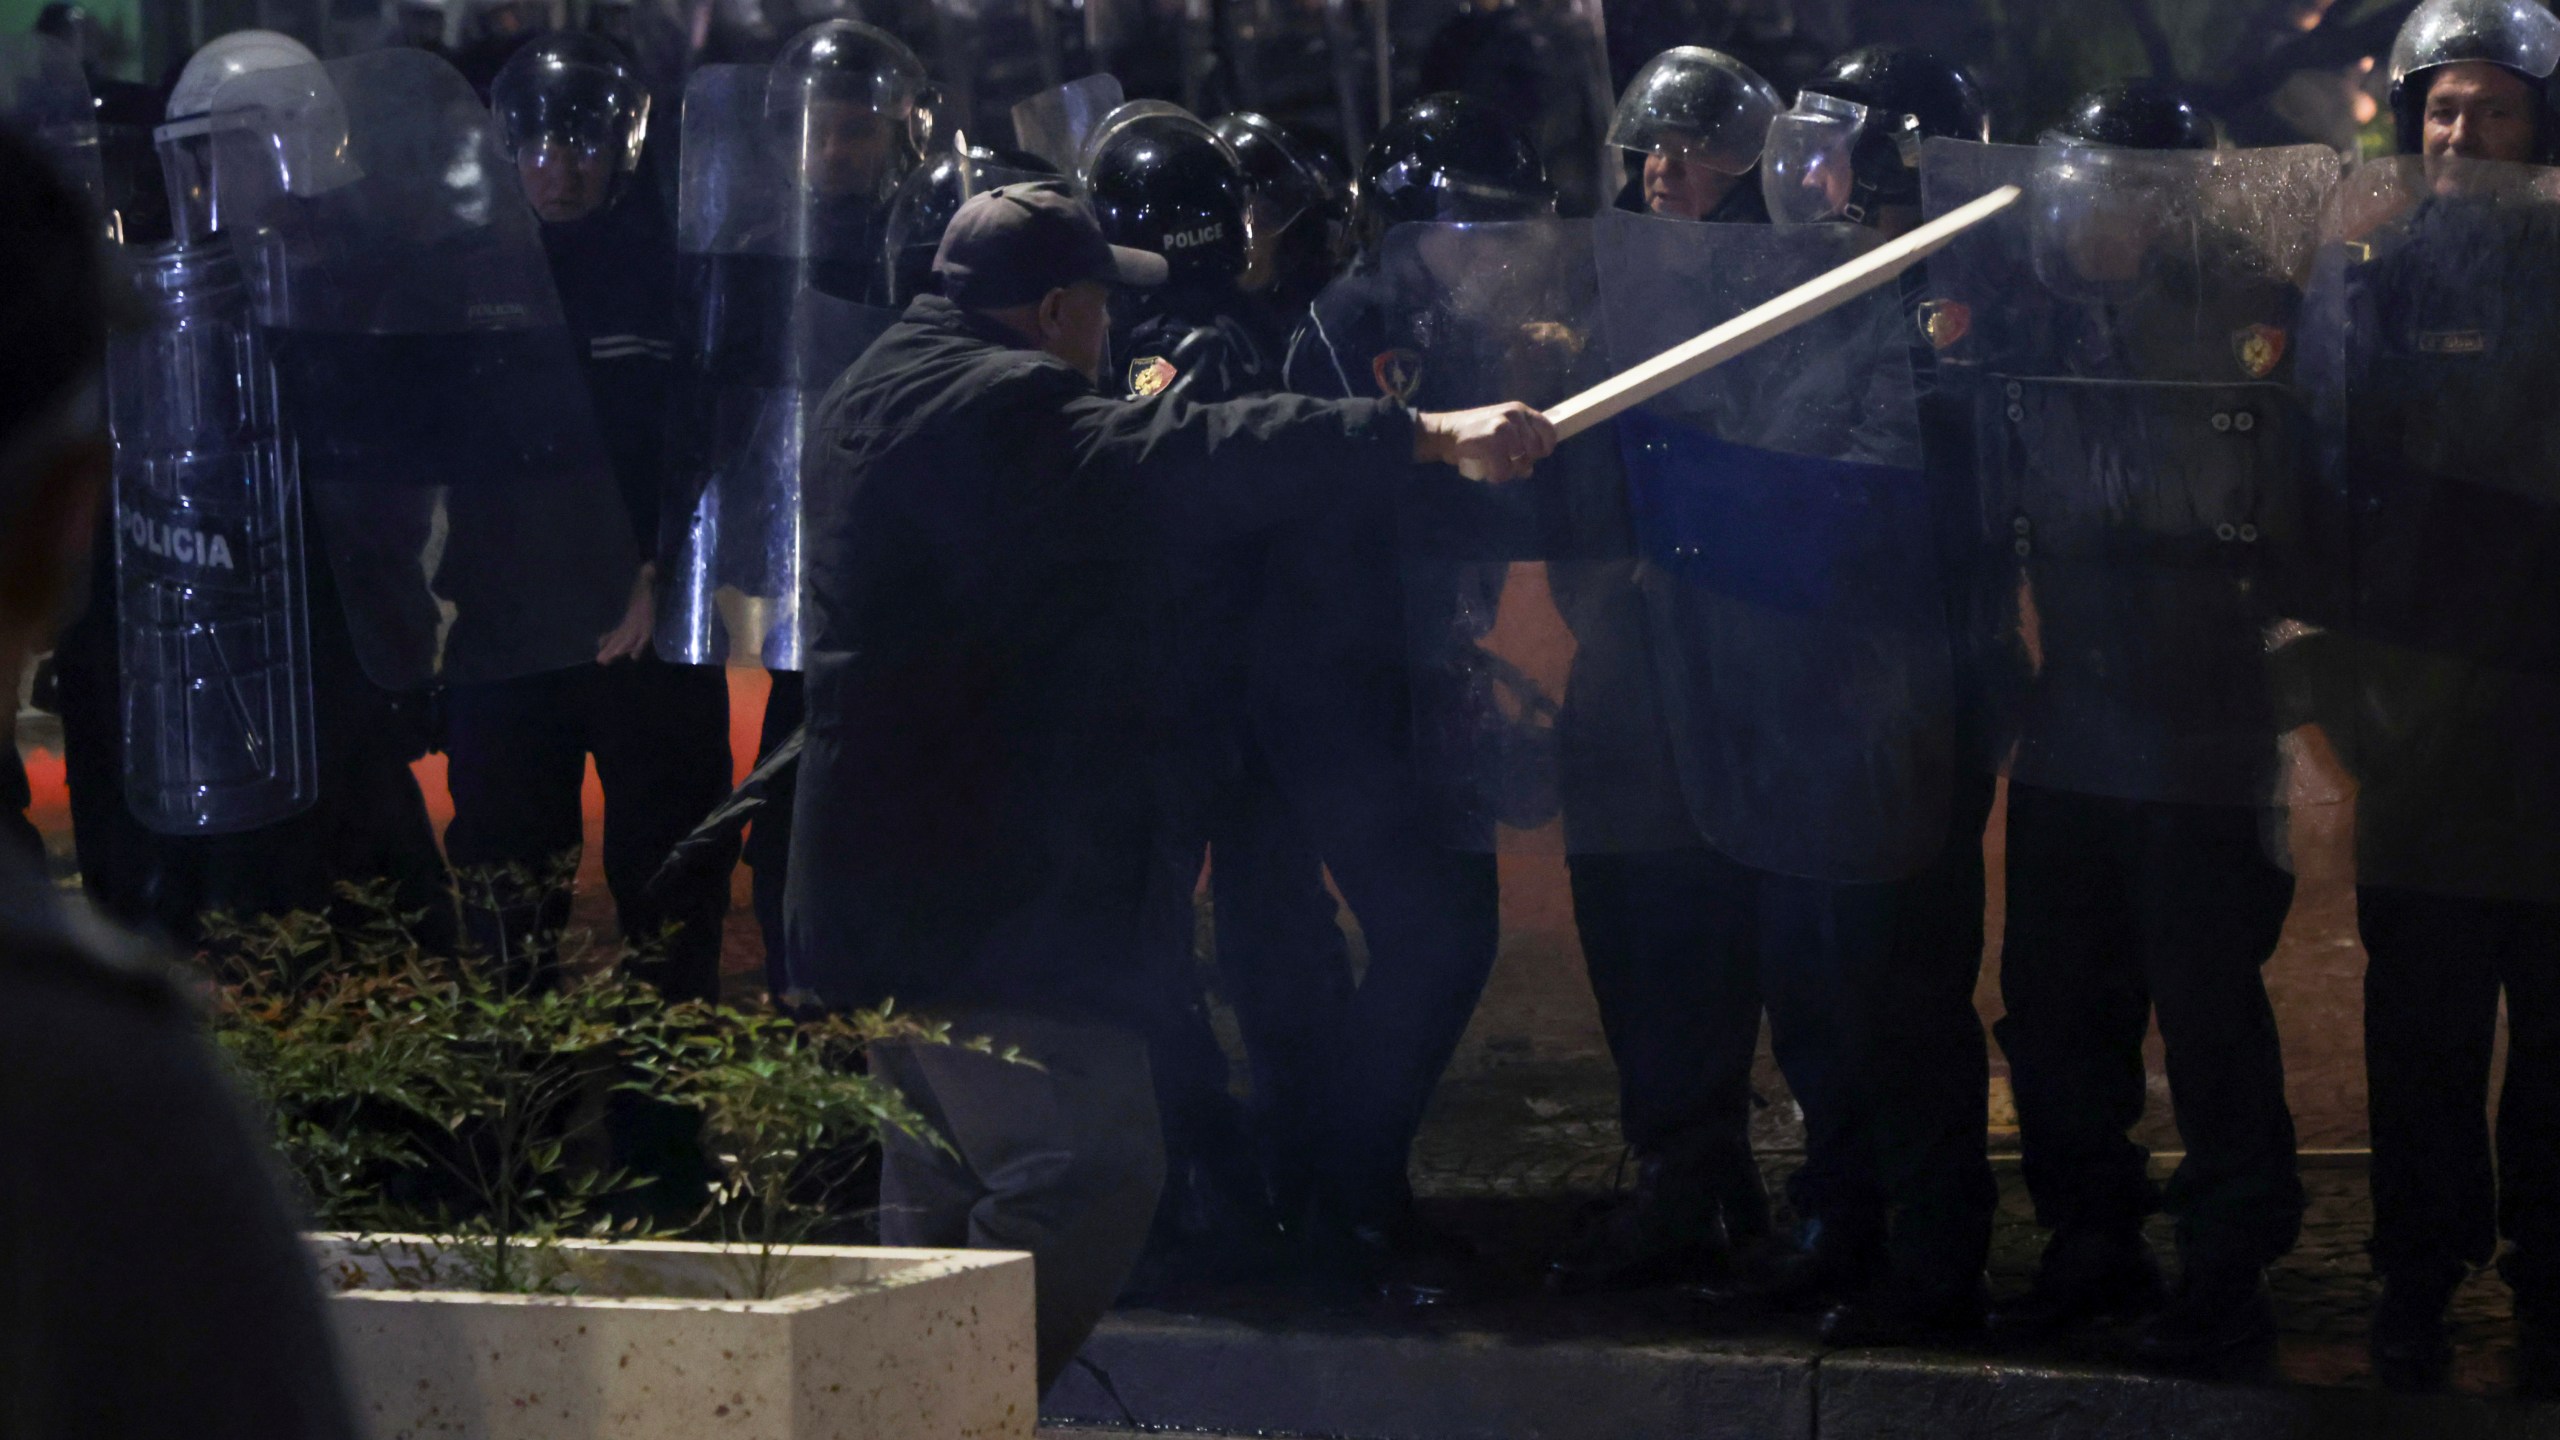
x=2411, y=1349
x=1902, y=1312
x=1829, y=1260
x=1668, y=1230
x=1401, y=1259
x=2220, y=1311
x=2088, y=1273
x=1212, y=1227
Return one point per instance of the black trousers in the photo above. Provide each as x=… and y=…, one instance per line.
x=518, y=758
x=1929, y=1064
x=1680, y=1006
x=1429, y=917
x=1062, y=1157
x=1282, y=963
x=2119, y=909
x=2436, y=965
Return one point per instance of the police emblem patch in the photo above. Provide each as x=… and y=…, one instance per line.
x=1944, y=322
x=2261, y=349
x=1398, y=373
x=1150, y=376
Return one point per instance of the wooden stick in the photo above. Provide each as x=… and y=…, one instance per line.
x=1825, y=292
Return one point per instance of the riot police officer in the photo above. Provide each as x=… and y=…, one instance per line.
x=1681, y=1011
x=1329, y=691
x=848, y=113
x=369, y=820
x=1904, y=1255
x=1697, y=119
x=573, y=115
x=2439, y=325
x=2140, y=443
x=1162, y=182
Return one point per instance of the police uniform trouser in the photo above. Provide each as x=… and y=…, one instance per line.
x=660, y=736
x=1282, y=964
x=1679, y=1005
x=1428, y=915
x=2118, y=909
x=2434, y=970
x=1062, y=1158
x=1929, y=1062
x=1814, y=944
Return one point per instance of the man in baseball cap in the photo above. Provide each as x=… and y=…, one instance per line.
x=985, y=533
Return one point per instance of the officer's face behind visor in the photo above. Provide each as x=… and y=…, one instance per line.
x=565, y=178
x=847, y=148
x=2478, y=111
x=1806, y=173
x=1680, y=182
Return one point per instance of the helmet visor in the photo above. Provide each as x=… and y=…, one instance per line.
x=2518, y=34
x=1699, y=106
x=1808, y=172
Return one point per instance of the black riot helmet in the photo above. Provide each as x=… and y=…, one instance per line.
x=852, y=107
x=2520, y=36
x=2145, y=114
x=1163, y=182
x=928, y=199
x=1449, y=157
x=1286, y=174
x=1852, y=142
x=574, y=90
x=1697, y=104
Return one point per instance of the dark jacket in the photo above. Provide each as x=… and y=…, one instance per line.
x=616, y=273
x=155, y=1284
x=985, y=717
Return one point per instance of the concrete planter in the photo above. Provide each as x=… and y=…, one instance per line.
x=861, y=1344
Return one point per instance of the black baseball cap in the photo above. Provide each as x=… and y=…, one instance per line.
x=1011, y=245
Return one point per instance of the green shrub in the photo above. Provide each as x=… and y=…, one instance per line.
x=416, y=1092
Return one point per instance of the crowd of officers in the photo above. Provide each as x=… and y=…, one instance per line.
x=984, y=829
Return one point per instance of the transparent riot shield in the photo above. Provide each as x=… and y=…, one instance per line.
x=435, y=401
x=774, y=309
x=1536, y=722
x=1056, y=123
x=2430, y=635
x=993, y=55
x=2129, y=333
x=213, y=633
x=1790, y=567
x=45, y=97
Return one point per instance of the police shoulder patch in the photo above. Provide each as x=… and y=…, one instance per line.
x=1398, y=373
x=2260, y=348
x=1944, y=322
x=1150, y=376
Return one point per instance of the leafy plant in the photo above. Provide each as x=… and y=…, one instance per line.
x=412, y=1091
x=788, y=1115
